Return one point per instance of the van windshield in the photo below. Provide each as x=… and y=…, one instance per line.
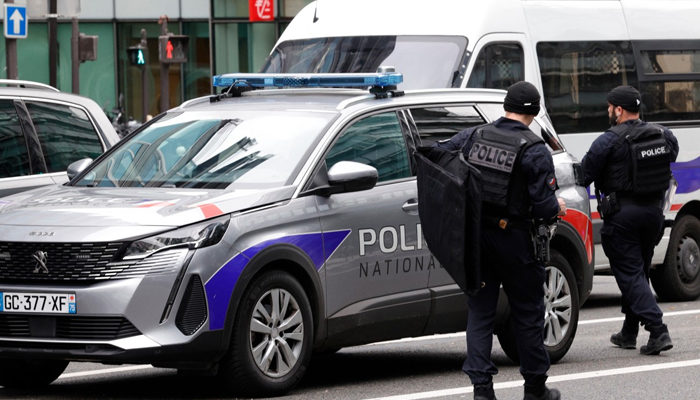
x=424, y=61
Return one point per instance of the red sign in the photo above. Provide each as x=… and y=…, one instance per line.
x=261, y=10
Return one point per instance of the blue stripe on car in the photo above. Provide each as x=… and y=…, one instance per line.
x=318, y=246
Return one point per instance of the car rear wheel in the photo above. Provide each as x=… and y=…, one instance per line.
x=678, y=279
x=561, y=304
x=271, y=339
x=30, y=373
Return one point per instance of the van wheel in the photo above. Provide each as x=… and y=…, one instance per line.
x=561, y=312
x=30, y=373
x=271, y=338
x=678, y=279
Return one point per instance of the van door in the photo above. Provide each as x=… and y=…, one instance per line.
x=500, y=60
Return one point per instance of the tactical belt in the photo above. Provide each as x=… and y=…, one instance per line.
x=506, y=224
x=625, y=201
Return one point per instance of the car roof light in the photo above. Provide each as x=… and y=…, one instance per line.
x=380, y=79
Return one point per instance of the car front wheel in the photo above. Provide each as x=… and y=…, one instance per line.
x=30, y=373
x=271, y=339
x=561, y=312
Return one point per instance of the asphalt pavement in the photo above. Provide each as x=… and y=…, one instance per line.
x=430, y=368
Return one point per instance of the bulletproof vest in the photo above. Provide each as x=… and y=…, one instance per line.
x=497, y=154
x=646, y=168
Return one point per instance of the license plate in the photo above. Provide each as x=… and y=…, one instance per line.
x=38, y=303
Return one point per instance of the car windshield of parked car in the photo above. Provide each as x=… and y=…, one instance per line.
x=201, y=150
x=424, y=61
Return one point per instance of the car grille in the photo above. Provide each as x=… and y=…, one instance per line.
x=66, y=327
x=79, y=262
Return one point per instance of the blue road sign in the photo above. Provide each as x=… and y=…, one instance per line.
x=16, y=21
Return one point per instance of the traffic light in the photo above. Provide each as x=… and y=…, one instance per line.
x=87, y=47
x=137, y=55
x=172, y=49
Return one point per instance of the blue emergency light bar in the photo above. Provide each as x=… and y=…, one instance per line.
x=380, y=79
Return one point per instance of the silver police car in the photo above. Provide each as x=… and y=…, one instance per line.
x=238, y=233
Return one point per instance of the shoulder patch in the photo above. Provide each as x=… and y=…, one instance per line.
x=552, y=181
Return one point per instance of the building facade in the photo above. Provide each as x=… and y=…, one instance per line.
x=223, y=38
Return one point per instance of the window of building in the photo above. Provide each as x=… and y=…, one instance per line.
x=498, y=66
x=576, y=77
x=242, y=47
x=376, y=141
x=230, y=8
x=14, y=157
x=443, y=122
x=66, y=134
x=290, y=8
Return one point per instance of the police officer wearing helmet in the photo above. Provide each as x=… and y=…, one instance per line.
x=631, y=167
x=518, y=185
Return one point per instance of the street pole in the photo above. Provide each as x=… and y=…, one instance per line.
x=164, y=67
x=75, y=56
x=11, y=53
x=53, y=42
x=144, y=79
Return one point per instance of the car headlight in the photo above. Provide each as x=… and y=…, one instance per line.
x=194, y=236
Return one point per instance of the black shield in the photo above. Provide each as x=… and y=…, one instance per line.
x=449, y=207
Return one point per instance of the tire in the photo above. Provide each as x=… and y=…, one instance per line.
x=30, y=373
x=561, y=312
x=268, y=355
x=678, y=279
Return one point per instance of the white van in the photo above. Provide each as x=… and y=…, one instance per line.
x=574, y=51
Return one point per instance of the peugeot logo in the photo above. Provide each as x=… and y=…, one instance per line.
x=40, y=257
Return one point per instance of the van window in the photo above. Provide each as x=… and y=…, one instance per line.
x=670, y=84
x=66, y=134
x=424, y=61
x=376, y=141
x=440, y=123
x=498, y=66
x=576, y=78
x=14, y=157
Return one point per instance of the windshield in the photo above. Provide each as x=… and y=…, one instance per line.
x=424, y=61
x=201, y=150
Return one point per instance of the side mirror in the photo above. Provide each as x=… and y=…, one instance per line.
x=352, y=176
x=347, y=176
x=77, y=167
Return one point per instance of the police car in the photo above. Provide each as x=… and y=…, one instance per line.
x=239, y=233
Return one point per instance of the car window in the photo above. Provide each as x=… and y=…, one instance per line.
x=258, y=149
x=443, y=122
x=14, y=158
x=66, y=134
x=376, y=141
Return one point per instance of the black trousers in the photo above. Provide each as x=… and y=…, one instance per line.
x=508, y=259
x=629, y=237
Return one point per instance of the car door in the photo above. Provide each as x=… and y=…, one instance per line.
x=66, y=134
x=435, y=123
x=21, y=165
x=376, y=281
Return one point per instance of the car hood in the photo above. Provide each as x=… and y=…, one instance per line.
x=66, y=206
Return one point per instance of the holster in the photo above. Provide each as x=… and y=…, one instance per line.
x=541, y=236
x=607, y=205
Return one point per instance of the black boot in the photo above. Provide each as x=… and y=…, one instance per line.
x=627, y=337
x=624, y=340
x=544, y=394
x=484, y=391
x=659, y=340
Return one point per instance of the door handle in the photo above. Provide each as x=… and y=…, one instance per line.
x=410, y=205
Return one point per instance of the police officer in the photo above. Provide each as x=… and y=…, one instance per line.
x=630, y=165
x=519, y=185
